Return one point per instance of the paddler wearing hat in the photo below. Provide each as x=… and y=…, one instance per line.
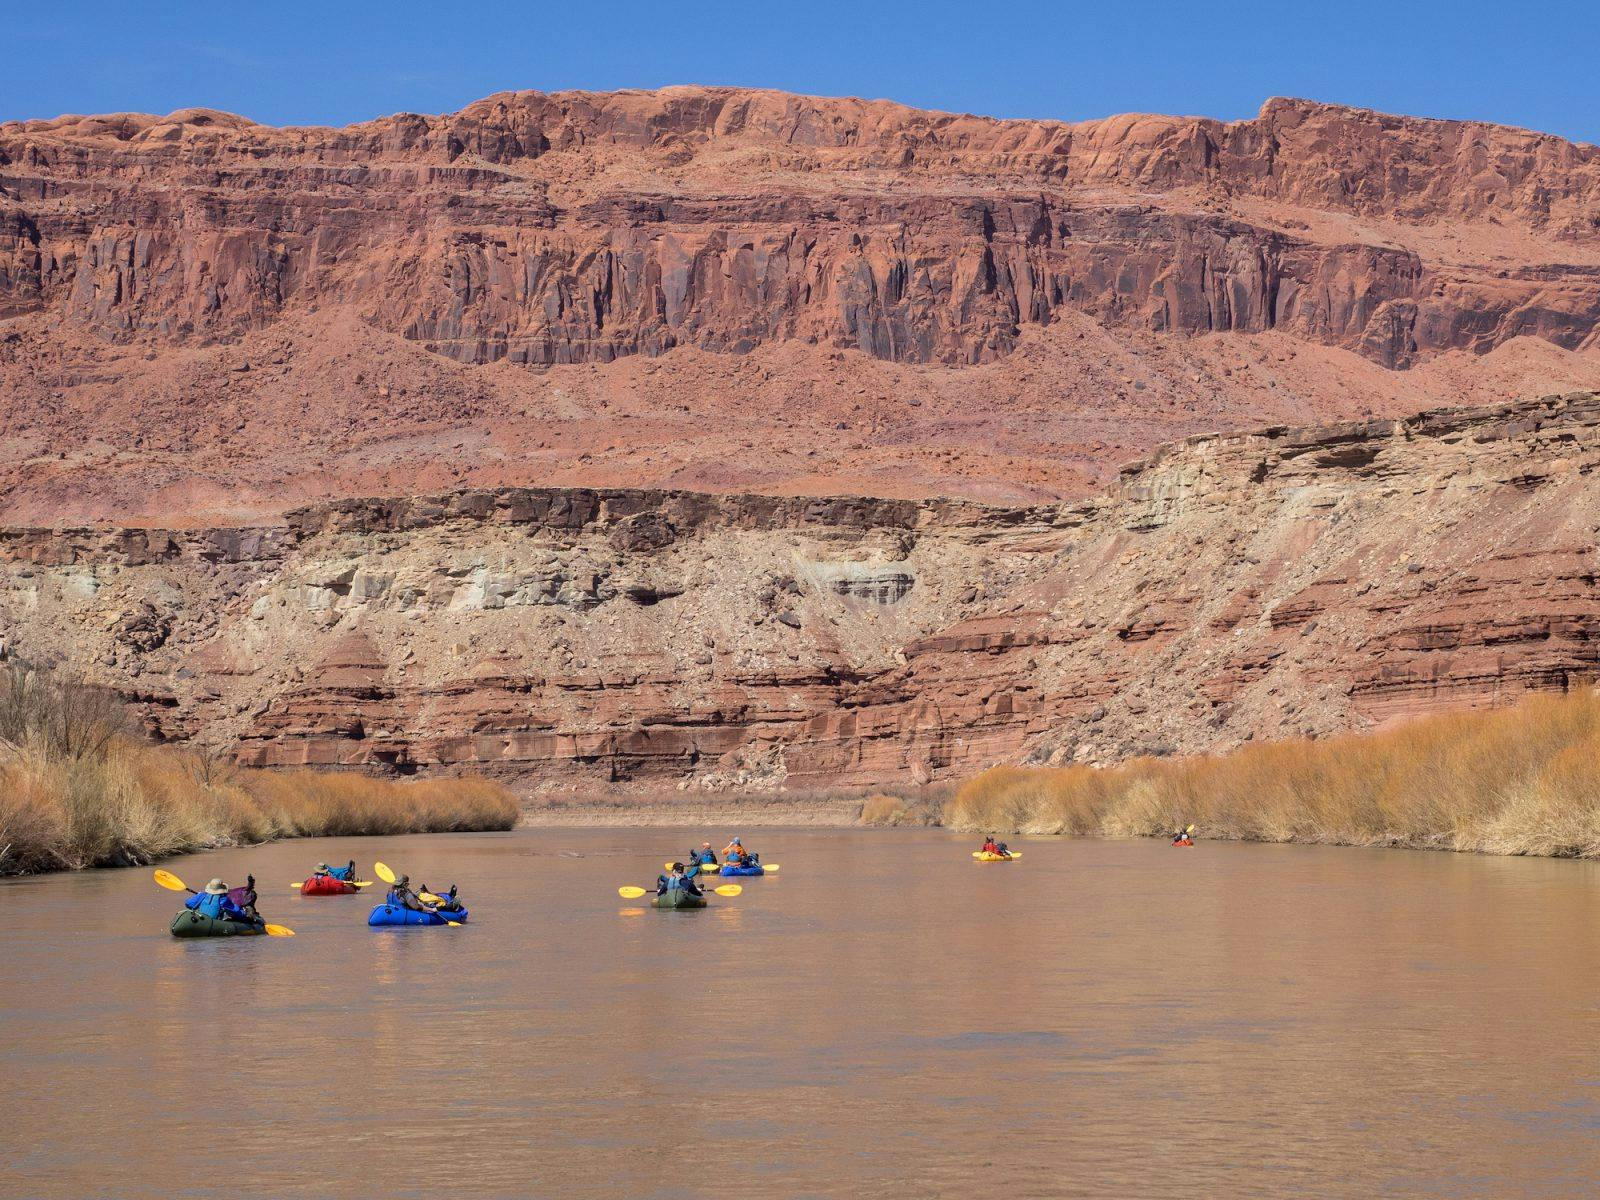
x=735, y=854
x=402, y=896
x=213, y=902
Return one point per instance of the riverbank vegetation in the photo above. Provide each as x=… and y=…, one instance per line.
x=78, y=790
x=1518, y=780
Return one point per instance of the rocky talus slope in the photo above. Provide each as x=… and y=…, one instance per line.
x=734, y=290
x=1230, y=587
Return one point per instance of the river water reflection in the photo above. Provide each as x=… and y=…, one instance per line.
x=884, y=1017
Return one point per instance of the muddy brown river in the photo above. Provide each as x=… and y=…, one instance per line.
x=884, y=1017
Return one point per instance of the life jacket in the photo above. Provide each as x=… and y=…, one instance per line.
x=207, y=905
x=218, y=908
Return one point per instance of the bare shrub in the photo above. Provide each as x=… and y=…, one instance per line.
x=58, y=712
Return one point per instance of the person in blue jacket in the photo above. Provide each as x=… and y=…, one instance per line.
x=677, y=881
x=213, y=902
x=703, y=857
x=346, y=873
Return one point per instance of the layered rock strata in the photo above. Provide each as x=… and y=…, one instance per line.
x=1284, y=581
x=202, y=317
x=578, y=228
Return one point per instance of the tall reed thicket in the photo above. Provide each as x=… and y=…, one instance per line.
x=77, y=791
x=1509, y=781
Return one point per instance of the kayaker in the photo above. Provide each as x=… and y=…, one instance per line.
x=213, y=902
x=990, y=846
x=1182, y=838
x=1002, y=851
x=344, y=873
x=322, y=869
x=738, y=856
x=705, y=856
x=402, y=896
x=677, y=881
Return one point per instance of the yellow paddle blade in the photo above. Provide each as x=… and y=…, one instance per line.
x=453, y=924
x=383, y=872
x=769, y=866
x=729, y=889
x=172, y=883
x=359, y=882
x=430, y=898
x=1190, y=829
x=295, y=887
x=279, y=931
x=630, y=893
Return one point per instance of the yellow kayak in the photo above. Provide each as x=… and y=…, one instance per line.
x=991, y=856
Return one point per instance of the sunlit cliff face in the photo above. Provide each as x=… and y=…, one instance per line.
x=1293, y=581
x=729, y=290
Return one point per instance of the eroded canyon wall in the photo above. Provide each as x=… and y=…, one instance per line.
x=204, y=320
x=583, y=227
x=1262, y=584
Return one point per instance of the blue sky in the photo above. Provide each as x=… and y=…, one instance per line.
x=346, y=60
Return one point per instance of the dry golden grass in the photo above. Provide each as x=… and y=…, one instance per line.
x=135, y=804
x=1512, y=781
x=921, y=807
x=882, y=810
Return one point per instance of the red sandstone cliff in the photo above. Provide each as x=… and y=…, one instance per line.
x=201, y=314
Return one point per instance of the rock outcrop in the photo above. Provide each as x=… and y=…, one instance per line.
x=1299, y=581
x=834, y=240
x=580, y=228
x=1286, y=581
